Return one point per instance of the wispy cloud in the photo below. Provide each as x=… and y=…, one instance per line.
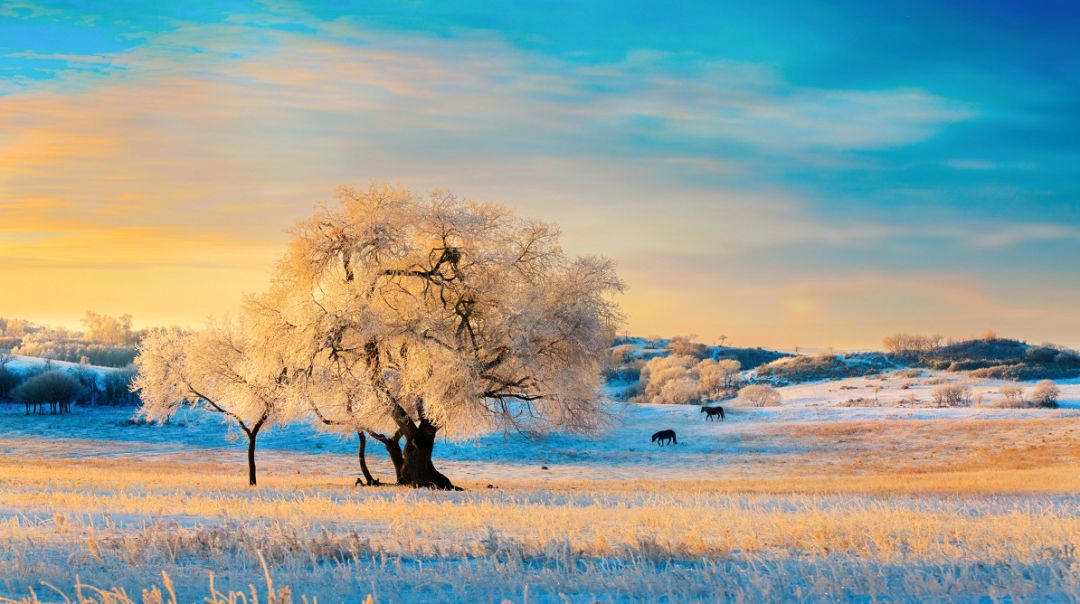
x=192, y=152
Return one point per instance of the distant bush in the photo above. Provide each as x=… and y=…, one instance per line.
x=759, y=395
x=621, y=353
x=49, y=387
x=1045, y=393
x=686, y=346
x=910, y=345
x=952, y=395
x=1012, y=395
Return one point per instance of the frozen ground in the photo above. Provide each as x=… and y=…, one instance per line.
x=810, y=501
x=750, y=442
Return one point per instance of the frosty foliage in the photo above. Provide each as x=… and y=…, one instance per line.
x=683, y=380
x=952, y=395
x=395, y=311
x=1045, y=393
x=214, y=369
x=759, y=395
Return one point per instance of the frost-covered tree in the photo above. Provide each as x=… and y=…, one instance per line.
x=215, y=370
x=415, y=317
x=717, y=378
x=1045, y=393
x=114, y=331
x=759, y=395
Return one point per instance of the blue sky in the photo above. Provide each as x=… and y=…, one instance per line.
x=786, y=173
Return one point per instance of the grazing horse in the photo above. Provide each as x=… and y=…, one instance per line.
x=711, y=412
x=665, y=435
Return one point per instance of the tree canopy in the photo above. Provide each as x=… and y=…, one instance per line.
x=416, y=315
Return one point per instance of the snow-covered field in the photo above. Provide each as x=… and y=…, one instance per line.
x=743, y=445
x=812, y=500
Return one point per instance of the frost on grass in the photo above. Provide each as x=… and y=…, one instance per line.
x=680, y=541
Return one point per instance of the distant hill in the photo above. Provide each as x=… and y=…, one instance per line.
x=1000, y=358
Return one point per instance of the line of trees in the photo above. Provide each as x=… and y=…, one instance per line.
x=106, y=340
x=403, y=318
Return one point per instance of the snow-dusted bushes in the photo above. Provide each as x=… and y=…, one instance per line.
x=952, y=395
x=1045, y=393
x=686, y=346
x=1012, y=396
x=759, y=395
x=683, y=380
x=717, y=378
x=911, y=345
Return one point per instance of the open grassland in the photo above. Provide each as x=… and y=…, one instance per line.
x=884, y=510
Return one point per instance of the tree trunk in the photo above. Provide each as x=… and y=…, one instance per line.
x=416, y=468
x=251, y=456
x=368, y=479
x=393, y=449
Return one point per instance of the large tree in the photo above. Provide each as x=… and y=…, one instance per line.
x=411, y=317
x=214, y=370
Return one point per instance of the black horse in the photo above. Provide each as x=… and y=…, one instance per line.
x=665, y=435
x=711, y=412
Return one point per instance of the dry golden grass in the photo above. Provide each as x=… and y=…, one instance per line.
x=612, y=519
x=904, y=510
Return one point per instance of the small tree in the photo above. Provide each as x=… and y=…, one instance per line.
x=214, y=370
x=55, y=386
x=1045, y=393
x=759, y=395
